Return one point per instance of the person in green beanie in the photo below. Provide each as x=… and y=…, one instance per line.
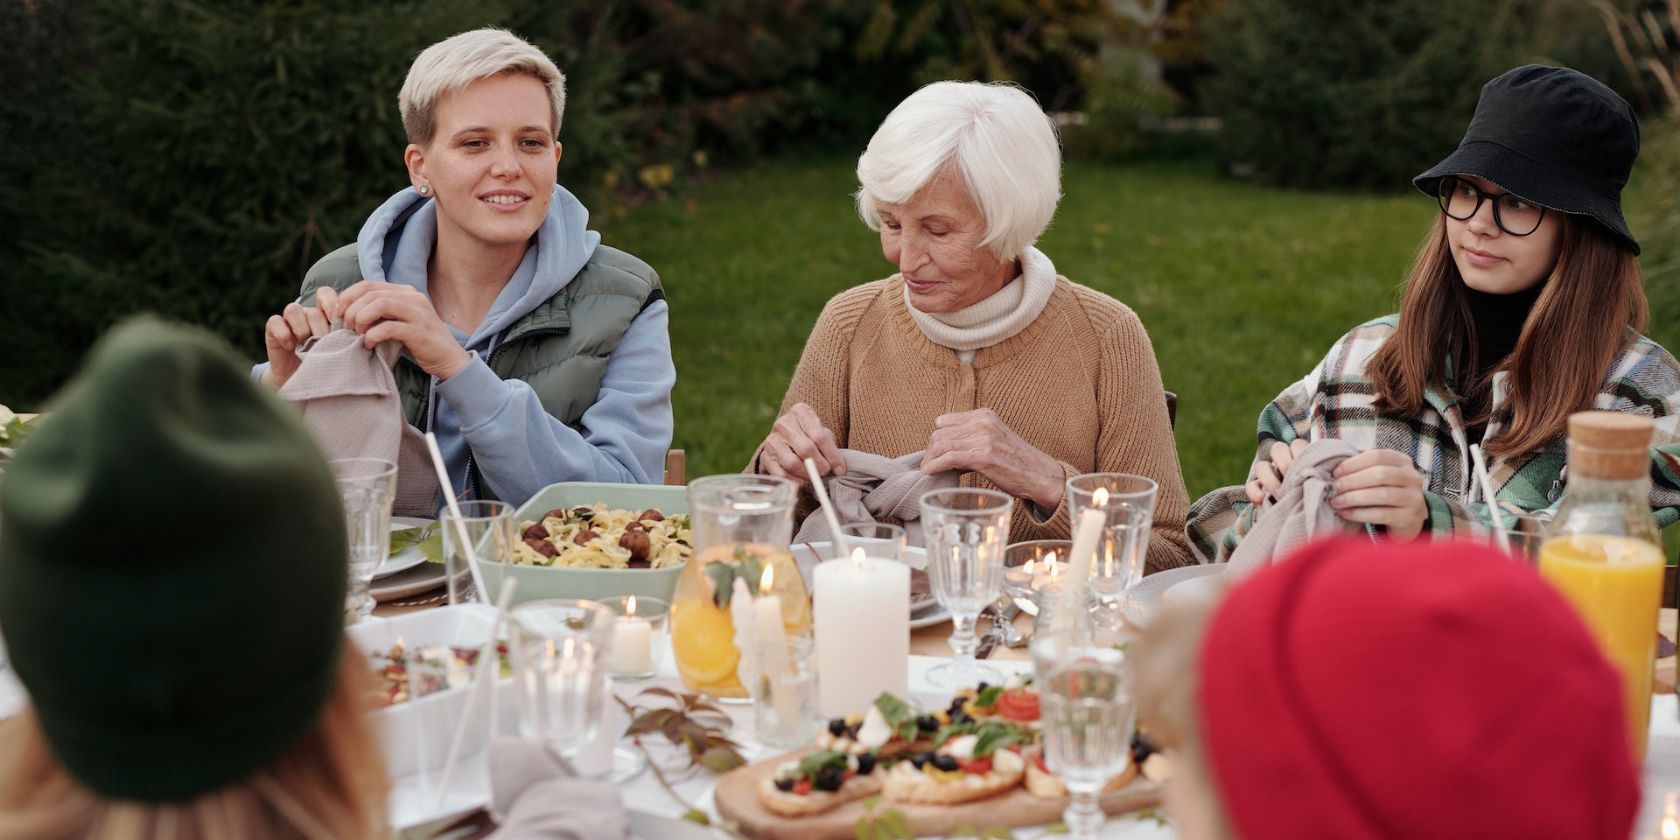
x=172, y=576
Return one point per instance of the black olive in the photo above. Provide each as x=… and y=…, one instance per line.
x=980, y=689
x=927, y=723
x=960, y=717
x=866, y=764
x=1141, y=748
x=837, y=727
x=919, y=759
x=852, y=731
x=956, y=705
x=829, y=779
x=945, y=762
x=784, y=785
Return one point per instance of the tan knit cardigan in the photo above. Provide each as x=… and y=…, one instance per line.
x=1080, y=383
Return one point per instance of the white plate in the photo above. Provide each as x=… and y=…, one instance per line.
x=807, y=555
x=1149, y=594
x=409, y=557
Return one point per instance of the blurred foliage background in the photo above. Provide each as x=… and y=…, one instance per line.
x=194, y=157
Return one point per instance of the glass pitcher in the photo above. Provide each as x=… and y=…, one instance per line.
x=741, y=524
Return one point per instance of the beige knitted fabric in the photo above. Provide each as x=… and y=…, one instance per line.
x=1080, y=383
x=348, y=398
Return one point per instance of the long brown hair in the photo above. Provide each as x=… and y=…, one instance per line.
x=330, y=785
x=1578, y=327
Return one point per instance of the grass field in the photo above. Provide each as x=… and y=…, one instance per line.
x=1242, y=288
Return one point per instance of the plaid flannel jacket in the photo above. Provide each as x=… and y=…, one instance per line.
x=1335, y=401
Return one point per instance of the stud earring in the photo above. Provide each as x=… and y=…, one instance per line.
x=424, y=189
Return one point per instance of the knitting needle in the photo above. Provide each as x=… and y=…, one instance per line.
x=1481, y=469
x=841, y=548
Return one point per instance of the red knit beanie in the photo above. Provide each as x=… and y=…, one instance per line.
x=1405, y=691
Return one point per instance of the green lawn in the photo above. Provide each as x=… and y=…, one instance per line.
x=1242, y=288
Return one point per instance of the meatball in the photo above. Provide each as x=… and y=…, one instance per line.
x=583, y=537
x=638, y=543
x=535, y=532
x=543, y=547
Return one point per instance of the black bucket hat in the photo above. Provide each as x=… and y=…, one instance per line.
x=1555, y=137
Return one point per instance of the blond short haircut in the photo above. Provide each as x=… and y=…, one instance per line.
x=994, y=136
x=460, y=60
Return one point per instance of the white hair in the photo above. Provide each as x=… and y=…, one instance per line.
x=460, y=60
x=994, y=136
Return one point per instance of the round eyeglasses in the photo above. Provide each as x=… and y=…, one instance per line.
x=1461, y=200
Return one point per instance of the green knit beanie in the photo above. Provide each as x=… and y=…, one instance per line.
x=172, y=569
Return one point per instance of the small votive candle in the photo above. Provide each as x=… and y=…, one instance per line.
x=640, y=635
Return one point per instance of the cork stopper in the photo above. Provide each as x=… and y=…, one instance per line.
x=1609, y=444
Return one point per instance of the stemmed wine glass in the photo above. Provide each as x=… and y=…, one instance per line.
x=966, y=530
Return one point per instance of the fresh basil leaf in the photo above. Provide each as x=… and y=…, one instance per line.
x=894, y=710
x=810, y=765
x=989, y=697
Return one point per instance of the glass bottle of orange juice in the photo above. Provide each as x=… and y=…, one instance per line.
x=1604, y=553
x=741, y=524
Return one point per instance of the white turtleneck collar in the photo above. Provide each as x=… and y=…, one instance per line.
x=997, y=318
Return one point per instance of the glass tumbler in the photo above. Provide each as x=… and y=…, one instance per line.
x=368, y=487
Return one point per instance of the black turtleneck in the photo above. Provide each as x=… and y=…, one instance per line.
x=1498, y=322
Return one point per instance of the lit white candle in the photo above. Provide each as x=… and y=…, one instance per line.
x=862, y=616
x=774, y=666
x=632, y=644
x=1084, y=552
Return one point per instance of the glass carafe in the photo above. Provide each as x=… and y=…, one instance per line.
x=741, y=524
x=1604, y=553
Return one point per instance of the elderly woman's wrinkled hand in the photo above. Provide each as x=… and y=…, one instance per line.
x=1268, y=475
x=394, y=312
x=979, y=441
x=797, y=435
x=1381, y=487
x=284, y=333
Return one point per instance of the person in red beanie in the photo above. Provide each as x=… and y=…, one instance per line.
x=1360, y=690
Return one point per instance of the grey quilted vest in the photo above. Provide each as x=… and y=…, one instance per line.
x=560, y=348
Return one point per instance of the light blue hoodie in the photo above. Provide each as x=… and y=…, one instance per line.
x=518, y=447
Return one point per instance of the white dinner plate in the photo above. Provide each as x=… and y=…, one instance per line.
x=1151, y=593
x=807, y=555
x=409, y=557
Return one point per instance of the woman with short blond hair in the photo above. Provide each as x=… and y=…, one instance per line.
x=976, y=352
x=535, y=353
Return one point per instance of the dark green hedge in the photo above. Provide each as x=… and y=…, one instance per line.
x=193, y=157
x=1330, y=93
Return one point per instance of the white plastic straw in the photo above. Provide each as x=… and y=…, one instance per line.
x=455, y=510
x=1480, y=465
x=488, y=663
x=840, y=546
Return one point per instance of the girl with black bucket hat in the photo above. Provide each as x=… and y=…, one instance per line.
x=1524, y=305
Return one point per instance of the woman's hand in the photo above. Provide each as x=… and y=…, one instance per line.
x=1268, y=476
x=293, y=326
x=1381, y=487
x=394, y=312
x=978, y=441
x=797, y=435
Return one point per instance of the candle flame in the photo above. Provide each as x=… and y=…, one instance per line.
x=630, y=607
x=857, y=556
x=1050, y=559
x=768, y=579
x=1670, y=824
x=1029, y=569
x=1099, y=498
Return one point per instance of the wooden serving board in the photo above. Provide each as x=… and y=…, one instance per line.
x=736, y=797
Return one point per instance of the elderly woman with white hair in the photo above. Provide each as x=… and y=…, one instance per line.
x=535, y=353
x=977, y=352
